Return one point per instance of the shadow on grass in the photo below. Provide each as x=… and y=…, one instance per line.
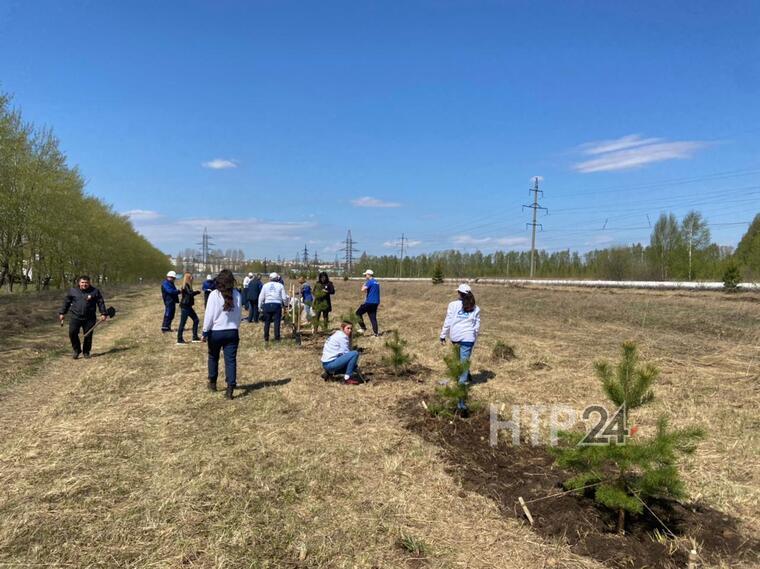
x=482, y=376
x=251, y=387
x=114, y=350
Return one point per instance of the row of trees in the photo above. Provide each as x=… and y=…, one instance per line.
x=50, y=230
x=676, y=251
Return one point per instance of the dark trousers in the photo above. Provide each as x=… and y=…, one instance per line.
x=253, y=310
x=226, y=341
x=75, y=324
x=169, y=310
x=272, y=312
x=187, y=312
x=205, y=297
x=371, y=311
x=318, y=317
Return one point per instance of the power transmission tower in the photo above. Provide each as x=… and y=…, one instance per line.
x=349, y=252
x=401, y=256
x=305, y=255
x=535, y=207
x=206, y=245
x=315, y=259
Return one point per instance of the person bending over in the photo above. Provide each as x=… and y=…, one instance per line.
x=338, y=357
x=81, y=301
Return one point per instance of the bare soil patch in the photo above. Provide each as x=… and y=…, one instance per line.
x=508, y=472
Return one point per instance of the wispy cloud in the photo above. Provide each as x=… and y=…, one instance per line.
x=367, y=201
x=220, y=164
x=223, y=232
x=633, y=151
x=407, y=243
x=470, y=241
x=141, y=214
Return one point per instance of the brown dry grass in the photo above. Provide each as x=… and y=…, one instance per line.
x=126, y=461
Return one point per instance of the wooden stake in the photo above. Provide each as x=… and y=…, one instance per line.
x=525, y=509
x=424, y=405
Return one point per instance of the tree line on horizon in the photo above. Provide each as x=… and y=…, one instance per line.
x=51, y=231
x=677, y=251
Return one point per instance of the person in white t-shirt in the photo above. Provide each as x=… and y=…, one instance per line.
x=221, y=325
x=462, y=325
x=338, y=357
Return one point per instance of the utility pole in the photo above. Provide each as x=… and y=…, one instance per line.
x=315, y=259
x=401, y=257
x=535, y=207
x=206, y=245
x=305, y=255
x=349, y=251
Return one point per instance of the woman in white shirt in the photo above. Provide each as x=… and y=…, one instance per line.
x=221, y=325
x=462, y=325
x=338, y=357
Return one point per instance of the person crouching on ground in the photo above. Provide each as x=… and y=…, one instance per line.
x=221, y=324
x=372, y=300
x=186, y=303
x=170, y=295
x=82, y=301
x=271, y=300
x=462, y=325
x=338, y=357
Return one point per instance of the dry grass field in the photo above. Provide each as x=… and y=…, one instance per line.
x=126, y=460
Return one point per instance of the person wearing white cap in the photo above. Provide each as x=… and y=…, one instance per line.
x=372, y=300
x=271, y=300
x=244, y=291
x=462, y=325
x=208, y=286
x=170, y=295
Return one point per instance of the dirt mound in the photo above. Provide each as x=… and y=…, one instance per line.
x=506, y=472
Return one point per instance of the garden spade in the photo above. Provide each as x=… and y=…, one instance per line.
x=110, y=312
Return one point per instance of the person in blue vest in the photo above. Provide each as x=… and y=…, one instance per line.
x=170, y=295
x=208, y=285
x=371, y=288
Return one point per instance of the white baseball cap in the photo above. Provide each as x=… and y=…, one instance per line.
x=250, y=274
x=171, y=274
x=464, y=288
x=273, y=276
x=208, y=277
x=369, y=272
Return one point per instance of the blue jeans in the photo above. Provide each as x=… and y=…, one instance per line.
x=169, y=309
x=465, y=351
x=345, y=364
x=227, y=341
x=272, y=312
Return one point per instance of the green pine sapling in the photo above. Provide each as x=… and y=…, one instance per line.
x=453, y=398
x=624, y=474
x=398, y=358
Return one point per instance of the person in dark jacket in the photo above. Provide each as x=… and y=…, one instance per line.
x=170, y=294
x=82, y=302
x=322, y=303
x=186, y=303
x=208, y=285
x=253, y=290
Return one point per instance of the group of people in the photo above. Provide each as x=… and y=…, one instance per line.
x=223, y=314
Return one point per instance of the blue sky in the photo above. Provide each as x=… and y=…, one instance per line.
x=278, y=123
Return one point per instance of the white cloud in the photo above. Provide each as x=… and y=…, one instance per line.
x=397, y=244
x=367, y=201
x=220, y=164
x=470, y=241
x=225, y=232
x=633, y=151
x=142, y=214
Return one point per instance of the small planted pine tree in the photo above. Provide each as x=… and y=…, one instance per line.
x=453, y=398
x=399, y=358
x=625, y=473
x=731, y=277
x=437, y=273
